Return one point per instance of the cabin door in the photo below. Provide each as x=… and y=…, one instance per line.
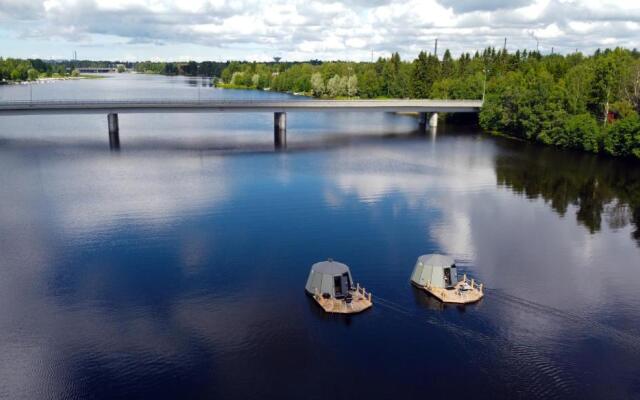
x=341, y=285
x=447, y=277
x=337, y=287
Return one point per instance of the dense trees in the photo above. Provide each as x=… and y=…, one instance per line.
x=385, y=78
x=589, y=103
x=22, y=70
x=584, y=103
x=622, y=138
x=191, y=68
x=420, y=86
x=16, y=70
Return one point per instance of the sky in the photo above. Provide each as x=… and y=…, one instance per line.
x=297, y=30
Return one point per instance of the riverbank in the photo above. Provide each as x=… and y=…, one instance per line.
x=233, y=86
x=618, y=137
x=52, y=79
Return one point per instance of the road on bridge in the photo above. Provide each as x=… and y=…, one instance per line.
x=278, y=107
x=185, y=106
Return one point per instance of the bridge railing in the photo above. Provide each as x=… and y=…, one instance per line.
x=63, y=102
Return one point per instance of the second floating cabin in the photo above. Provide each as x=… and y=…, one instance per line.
x=332, y=287
x=437, y=274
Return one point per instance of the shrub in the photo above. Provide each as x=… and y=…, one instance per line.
x=623, y=137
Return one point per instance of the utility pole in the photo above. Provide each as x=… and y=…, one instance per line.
x=505, y=45
x=435, y=50
x=533, y=35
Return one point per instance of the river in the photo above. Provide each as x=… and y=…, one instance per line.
x=176, y=267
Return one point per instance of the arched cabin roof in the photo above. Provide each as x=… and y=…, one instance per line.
x=436, y=260
x=329, y=268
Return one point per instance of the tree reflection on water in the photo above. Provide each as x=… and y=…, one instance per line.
x=599, y=188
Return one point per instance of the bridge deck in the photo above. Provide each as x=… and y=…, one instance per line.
x=194, y=106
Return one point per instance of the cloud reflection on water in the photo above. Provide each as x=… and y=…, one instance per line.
x=509, y=242
x=118, y=190
x=555, y=279
x=123, y=319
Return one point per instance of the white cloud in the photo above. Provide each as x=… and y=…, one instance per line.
x=300, y=29
x=550, y=31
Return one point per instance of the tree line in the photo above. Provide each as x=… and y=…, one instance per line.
x=589, y=103
x=427, y=76
x=16, y=70
x=585, y=102
x=191, y=68
x=19, y=70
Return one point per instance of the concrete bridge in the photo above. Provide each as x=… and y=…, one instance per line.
x=427, y=109
x=96, y=70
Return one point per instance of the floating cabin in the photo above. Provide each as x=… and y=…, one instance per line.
x=437, y=274
x=332, y=287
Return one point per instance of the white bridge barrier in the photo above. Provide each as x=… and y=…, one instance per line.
x=427, y=109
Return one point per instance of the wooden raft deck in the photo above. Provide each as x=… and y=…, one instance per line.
x=361, y=301
x=458, y=295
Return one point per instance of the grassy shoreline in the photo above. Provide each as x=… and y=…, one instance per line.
x=233, y=86
x=47, y=79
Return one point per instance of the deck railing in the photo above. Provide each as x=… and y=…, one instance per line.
x=473, y=283
x=363, y=291
x=359, y=289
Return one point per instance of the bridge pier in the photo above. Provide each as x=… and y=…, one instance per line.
x=114, y=131
x=427, y=120
x=433, y=120
x=280, y=130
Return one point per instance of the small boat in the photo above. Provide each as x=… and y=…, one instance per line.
x=332, y=287
x=437, y=274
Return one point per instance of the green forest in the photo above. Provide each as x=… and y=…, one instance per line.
x=17, y=70
x=191, y=68
x=585, y=102
x=589, y=103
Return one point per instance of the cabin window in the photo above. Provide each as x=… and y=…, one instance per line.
x=346, y=279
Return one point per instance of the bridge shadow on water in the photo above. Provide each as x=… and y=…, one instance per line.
x=230, y=145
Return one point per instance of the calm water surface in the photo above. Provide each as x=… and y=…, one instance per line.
x=176, y=267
